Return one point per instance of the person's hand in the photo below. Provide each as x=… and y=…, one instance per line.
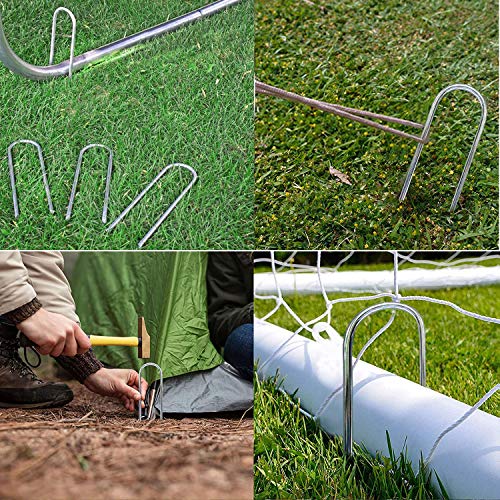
x=119, y=383
x=54, y=334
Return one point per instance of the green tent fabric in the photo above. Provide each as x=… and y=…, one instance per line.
x=111, y=289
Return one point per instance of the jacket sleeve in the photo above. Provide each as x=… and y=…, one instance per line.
x=18, y=301
x=227, y=297
x=46, y=275
x=80, y=366
x=15, y=288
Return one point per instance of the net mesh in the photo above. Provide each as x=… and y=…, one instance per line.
x=272, y=286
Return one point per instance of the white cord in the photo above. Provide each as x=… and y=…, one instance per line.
x=464, y=417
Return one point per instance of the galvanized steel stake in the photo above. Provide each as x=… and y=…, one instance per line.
x=141, y=195
x=348, y=370
x=53, y=37
x=160, y=371
x=426, y=133
x=69, y=210
x=13, y=177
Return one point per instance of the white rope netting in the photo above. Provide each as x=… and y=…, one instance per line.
x=470, y=266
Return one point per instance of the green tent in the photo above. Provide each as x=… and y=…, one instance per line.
x=112, y=289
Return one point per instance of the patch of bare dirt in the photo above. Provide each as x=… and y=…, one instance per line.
x=94, y=448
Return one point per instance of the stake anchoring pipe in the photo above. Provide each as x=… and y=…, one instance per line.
x=348, y=365
x=20, y=67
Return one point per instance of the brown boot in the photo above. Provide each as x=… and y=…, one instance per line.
x=19, y=386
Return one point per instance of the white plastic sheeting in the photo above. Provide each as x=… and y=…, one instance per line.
x=306, y=283
x=467, y=459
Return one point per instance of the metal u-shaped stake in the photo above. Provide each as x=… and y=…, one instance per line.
x=347, y=358
x=160, y=371
x=109, y=173
x=426, y=133
x=13, y=177
x=73, y=38
x=141, y=195
x=33, y=72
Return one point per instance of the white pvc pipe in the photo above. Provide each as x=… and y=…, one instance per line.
x=374, y=281
x=467, y=460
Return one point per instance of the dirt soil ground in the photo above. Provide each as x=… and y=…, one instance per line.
x=94, y=448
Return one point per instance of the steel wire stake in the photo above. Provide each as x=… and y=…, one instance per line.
x=53, y=38
x=109, y=173
x=347, y=388
x=150, y=413
x=13, y=177
x=169, y=210
x=426, y=134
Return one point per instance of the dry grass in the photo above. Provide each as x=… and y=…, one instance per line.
x=93, y=448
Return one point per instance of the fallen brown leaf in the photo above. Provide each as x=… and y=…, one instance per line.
x=340, y=176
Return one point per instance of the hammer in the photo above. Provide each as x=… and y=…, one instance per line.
x=142, y=341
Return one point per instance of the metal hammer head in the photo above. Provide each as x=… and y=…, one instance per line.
x=144, y=340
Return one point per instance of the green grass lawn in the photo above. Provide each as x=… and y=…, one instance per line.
x=185, y=97
x=387, y=57
x=294, y=459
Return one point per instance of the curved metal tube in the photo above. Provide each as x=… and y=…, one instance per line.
x=425, y=138
x=160, y=371
x=348, y=368
x=13, y=177
x=73, y=37
x=141, y=195
x=104, y=217
x=17, y=65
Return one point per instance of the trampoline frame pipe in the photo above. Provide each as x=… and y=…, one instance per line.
x=347, y=388
x=33, y=72
x=69, y=210
x=13, y=177
x=425, y=139
x=73, y=38
x=139, y=405
x=169, y=210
